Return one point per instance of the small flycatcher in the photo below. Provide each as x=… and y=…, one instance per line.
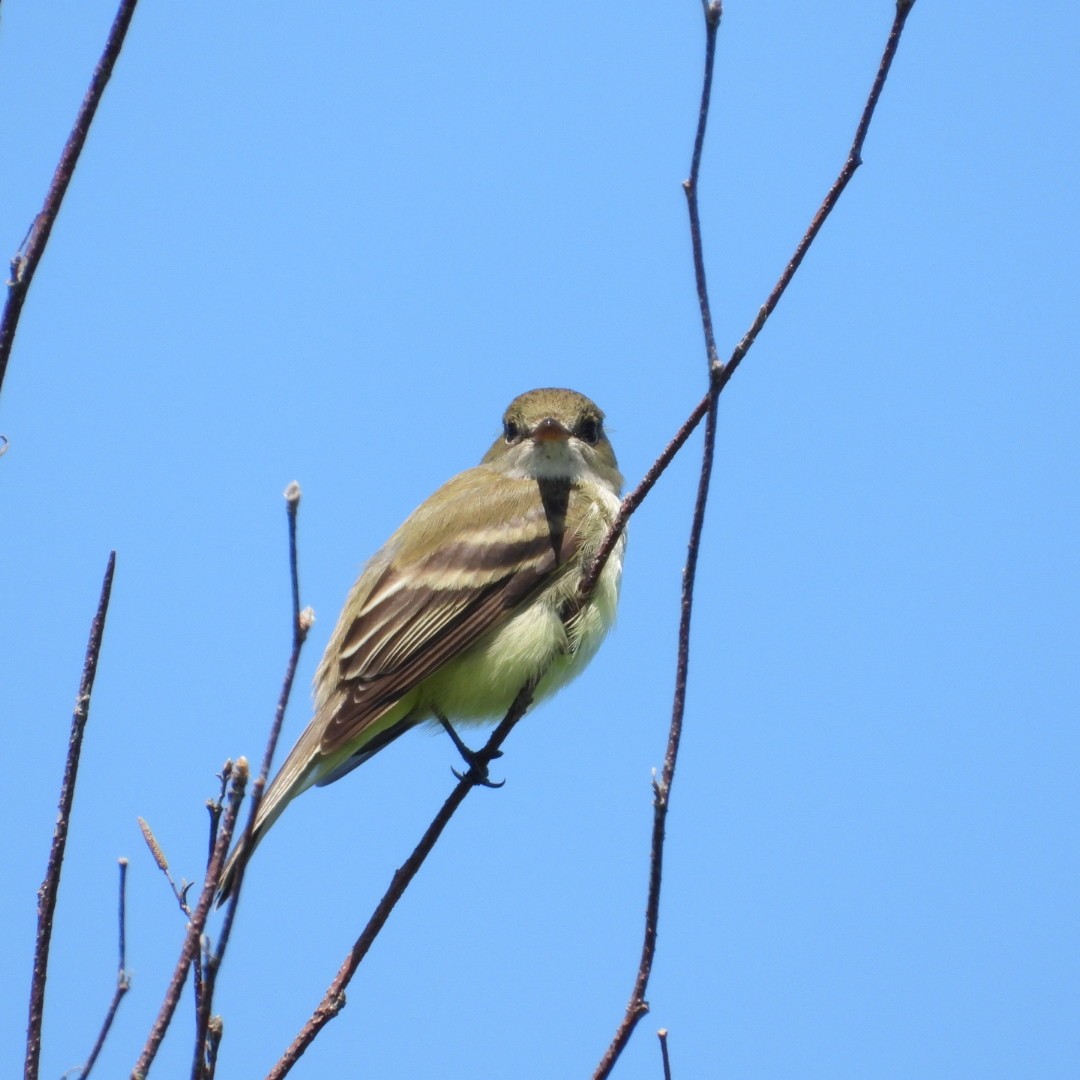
x=472, y=598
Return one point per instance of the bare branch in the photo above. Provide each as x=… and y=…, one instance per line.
x=123, y=979
x=47, y=892
x=854, y=160
x=635, y=498
x=719, y=377
x=189, y=951
x=26, y=260
x=214, y=808
x=714, y=12
x=205, y=1054
x=638, y=1006
x=334, y=999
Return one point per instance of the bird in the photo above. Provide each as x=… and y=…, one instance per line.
x=473, y=597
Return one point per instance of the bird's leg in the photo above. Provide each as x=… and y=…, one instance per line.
x=477, y=765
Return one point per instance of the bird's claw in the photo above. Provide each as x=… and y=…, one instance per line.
x=477, y=774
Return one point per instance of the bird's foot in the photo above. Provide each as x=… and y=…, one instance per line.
x=477, y=762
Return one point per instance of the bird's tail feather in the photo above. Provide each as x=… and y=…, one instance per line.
x=288, y=783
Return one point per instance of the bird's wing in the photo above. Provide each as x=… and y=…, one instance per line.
x=428, y=602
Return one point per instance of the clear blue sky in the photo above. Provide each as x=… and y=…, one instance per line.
x=328, y=243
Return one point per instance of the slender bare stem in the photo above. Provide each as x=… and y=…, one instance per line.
x=26, y=260
x=662, y=1035
x=214, y=808
x=334, y=999
x=854, y=160
x=189, y=951
x=714, y=12
x=123, y=979
x=301, y=623
x=635, y=498
x=51, y=884
x=637, y=1007
x=720, y=374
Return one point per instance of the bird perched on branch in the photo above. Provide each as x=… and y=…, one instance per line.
x=473, y=598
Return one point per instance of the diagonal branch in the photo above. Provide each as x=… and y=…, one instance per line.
x=26, y=260
x=854, y=160
x=334, y=999
x=51, y=884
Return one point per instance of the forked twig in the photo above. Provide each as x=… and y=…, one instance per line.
x=29, y=255
x=49, y=887
x=634, y=499
x=123, y=979
x=207, y=1035
x=720, y=374
x=189, y=951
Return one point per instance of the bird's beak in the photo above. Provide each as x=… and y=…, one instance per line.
x=548, y=430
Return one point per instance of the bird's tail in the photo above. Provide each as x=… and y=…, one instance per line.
x=307, y=765
x=288, y=783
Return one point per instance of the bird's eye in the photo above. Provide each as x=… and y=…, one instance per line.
x=510, y=430
x=589, y=430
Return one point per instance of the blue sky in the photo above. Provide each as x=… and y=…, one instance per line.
x=329, y=244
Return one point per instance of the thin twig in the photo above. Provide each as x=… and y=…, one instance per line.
x=123, y=979
x=26, y=260
x=720, y=374
x=47, y=892
x=714, y=12
x=334, y=999
x=854, y=160
x=638, y=1006
x=634, y=499
x=189, y=951
x=301, y=623
x=214, y=808
x=662, y=1036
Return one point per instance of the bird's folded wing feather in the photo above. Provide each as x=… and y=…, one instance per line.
x=427, y=603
